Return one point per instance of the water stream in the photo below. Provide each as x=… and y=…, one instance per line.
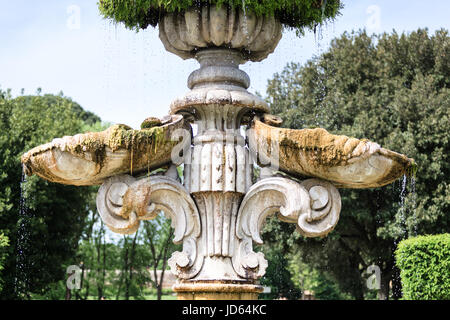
x=402, y=210
x=408, y=212
x=22, y=280
x=414, y=205
x=407, y=204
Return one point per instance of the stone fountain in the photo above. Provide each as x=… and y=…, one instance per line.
x=218, y=210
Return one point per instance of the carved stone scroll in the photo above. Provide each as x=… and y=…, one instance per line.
x=121, y=205
x=314, y=205
x=172, y=198
x=123, y=201
x=325, y=209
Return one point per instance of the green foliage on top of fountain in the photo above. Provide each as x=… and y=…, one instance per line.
x=297, y=14
x=151, y=122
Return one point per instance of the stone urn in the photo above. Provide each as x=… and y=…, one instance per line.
x=219, y=209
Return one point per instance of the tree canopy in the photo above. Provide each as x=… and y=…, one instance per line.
x=392, y=89
x=42, y=220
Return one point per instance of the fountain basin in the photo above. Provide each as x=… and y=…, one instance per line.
x=344, y=161
x=90, y=158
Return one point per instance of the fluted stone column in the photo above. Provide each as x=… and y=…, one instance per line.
x=218, y=170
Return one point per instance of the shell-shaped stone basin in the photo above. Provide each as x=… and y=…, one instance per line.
x=90, y=158
x=344, y=161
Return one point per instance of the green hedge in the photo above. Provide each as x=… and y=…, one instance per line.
x=4, y=242
x=297, y=14
x=424, y=264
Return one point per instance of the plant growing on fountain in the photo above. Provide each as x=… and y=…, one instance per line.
x=218, y=211
x=299, y=15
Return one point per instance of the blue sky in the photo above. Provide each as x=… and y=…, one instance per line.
x=125, y=76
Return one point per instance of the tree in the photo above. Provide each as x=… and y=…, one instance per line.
x=313, y=279
x=278, y=276
x=159, y=242
x=128, y=266
x=392, y=89
x=95, y=257
x=42, y=220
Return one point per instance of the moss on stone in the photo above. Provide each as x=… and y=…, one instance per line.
x=411, y=171
x=115, y=138
x=323, y=148
x=151, y=122
x=134, y=139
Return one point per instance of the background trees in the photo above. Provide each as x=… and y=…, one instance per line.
x=158, y=241
x=45, y=227
x=392, y=89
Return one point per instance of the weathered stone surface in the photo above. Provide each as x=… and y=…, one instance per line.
x=219, y=160
x=123, y=201
x=90, y=158
x=218, y=82
x=209, y=26
x=347, y=162
x=313, y=205
x=216, y=290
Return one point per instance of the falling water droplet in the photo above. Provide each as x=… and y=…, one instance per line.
x=23, y=242
x=413, y=205
x=402, y=207
x=324, y=5
x=243, y=7
x=245, y=24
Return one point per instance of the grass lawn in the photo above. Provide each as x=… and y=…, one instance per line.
x=147, y=294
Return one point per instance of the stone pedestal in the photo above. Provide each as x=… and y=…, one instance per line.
x=217, y=290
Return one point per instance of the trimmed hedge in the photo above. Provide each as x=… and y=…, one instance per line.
x=424, y=264
x=4, y=242
x=297, y=14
